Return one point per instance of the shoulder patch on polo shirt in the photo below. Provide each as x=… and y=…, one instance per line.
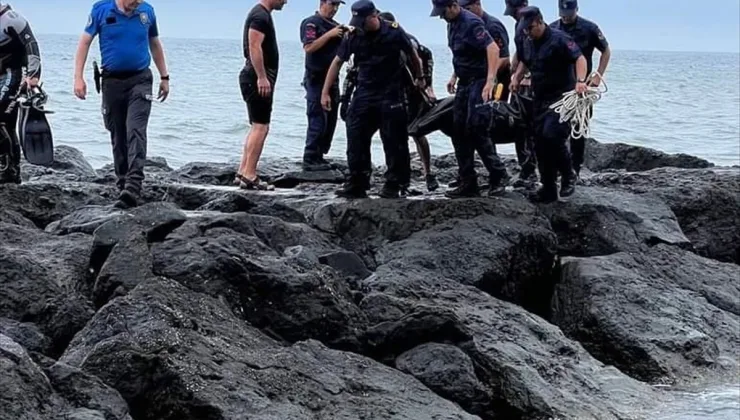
x=394, y=24
x=144, y=18
x=89, y=21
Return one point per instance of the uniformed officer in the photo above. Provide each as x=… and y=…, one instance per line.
x=378, y=102
x=321, y=36
x=18, y=49
x=419, y=101
x=588, y=36
x=128, y=31
x=525, y=142
x=475, y=63
x=557, y=66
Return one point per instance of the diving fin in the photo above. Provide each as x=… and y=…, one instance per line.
x=35, y=133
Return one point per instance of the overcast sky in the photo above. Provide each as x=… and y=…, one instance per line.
x=663, y=25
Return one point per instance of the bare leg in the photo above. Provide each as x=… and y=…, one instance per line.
x=422, y=146
x=425, y=154
x=253, y=150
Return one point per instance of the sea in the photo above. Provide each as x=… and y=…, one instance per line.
x=677, y=102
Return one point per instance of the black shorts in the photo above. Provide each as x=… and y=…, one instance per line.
x=259, y=108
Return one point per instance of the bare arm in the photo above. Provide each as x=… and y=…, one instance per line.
x=158, y=55
x=331, y=76
x=493, y=61
x=514, y=61
x=581, y=68
x=604, y=60
x=519, y=73
x=255, y=52
x=83, y=48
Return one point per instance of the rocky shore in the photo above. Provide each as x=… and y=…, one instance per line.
x=212, y=303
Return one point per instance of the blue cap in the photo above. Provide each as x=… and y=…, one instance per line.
x=465, y=3
x=527, y=15
x=513, y=5
x=568, y=8
x=439, y=6
x=361, y=10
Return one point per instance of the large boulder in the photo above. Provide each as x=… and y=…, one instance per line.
x=218, y=367
x=41, y=277
x=598, y=221
x=706, y=203
x=664, y=315
x=269, y=271
x=526, y=365
x=69, y=165
x=603, y=156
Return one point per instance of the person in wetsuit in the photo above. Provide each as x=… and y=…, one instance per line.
x=19, y=50
x=589, y=37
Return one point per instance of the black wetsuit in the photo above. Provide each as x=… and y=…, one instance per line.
x=18, y=51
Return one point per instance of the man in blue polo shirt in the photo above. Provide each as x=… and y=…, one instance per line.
x=128, y=32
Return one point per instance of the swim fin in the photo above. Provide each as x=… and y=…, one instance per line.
x=34, y=130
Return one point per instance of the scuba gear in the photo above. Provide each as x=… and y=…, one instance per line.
x=37, y=141
x=96, y=76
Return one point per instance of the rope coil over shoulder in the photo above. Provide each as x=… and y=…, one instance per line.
x=577, y=108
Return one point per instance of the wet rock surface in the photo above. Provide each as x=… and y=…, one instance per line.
x=210, y=302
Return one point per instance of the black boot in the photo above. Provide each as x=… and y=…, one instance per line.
x=545, y=194
x=568, y=185
x=352, y=191
x=432, y=183
x=390, y=190
x=465, y=189
x=497, y=185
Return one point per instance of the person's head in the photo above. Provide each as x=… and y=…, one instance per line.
x=446, y=9
x=514, y=6
x=365, y=16
x=387, y=16
x=472, y=6
x=130, y=5
x=275, y=4
x=530, y=18
x=329, y=8
x=568, y=10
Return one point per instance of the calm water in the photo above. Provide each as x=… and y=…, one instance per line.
x=675, y=102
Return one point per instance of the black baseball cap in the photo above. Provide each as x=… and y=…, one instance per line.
x=513, y=5
x=361, y=10
x=439, y=6
x=568, y=8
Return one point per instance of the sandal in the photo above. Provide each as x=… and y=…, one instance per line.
x=238, y=179
x=254, y=184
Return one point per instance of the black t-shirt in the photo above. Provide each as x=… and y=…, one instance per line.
x=261, y=20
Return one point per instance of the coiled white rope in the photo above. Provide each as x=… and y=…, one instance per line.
x=577, y=108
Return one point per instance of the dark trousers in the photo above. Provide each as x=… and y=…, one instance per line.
x=368, y=113
x=578, y=150
x=472, y=119
x=525, y=140
x=321, y=124
x=10, y=148
x=552, y=138
x=127, y=104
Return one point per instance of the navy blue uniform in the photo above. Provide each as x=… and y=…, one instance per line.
x=468, y=39
x=589, y=37
x=378, y=103
x=551, y=62
x=127, y=85
x=321, y=124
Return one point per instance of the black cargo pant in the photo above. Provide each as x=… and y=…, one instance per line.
x=525, y=140
x=10, y=149
x=386, y=112
x=127, y=103
x=552, y=137
x=472, y=119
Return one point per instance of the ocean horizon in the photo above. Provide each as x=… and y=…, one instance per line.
x=692, y=110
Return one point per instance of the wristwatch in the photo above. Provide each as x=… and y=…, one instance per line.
x=581, y=81
x=165, y=77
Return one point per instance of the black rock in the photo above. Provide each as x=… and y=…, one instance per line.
x=293, y=179
x=602, y=156
x=664, y=315
x=597, y=221
x=69, y=165
x=347, y=263
x=218, y=367
x=706, y=204
x=27, y=335
x=41, y=276
x=128, y=264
